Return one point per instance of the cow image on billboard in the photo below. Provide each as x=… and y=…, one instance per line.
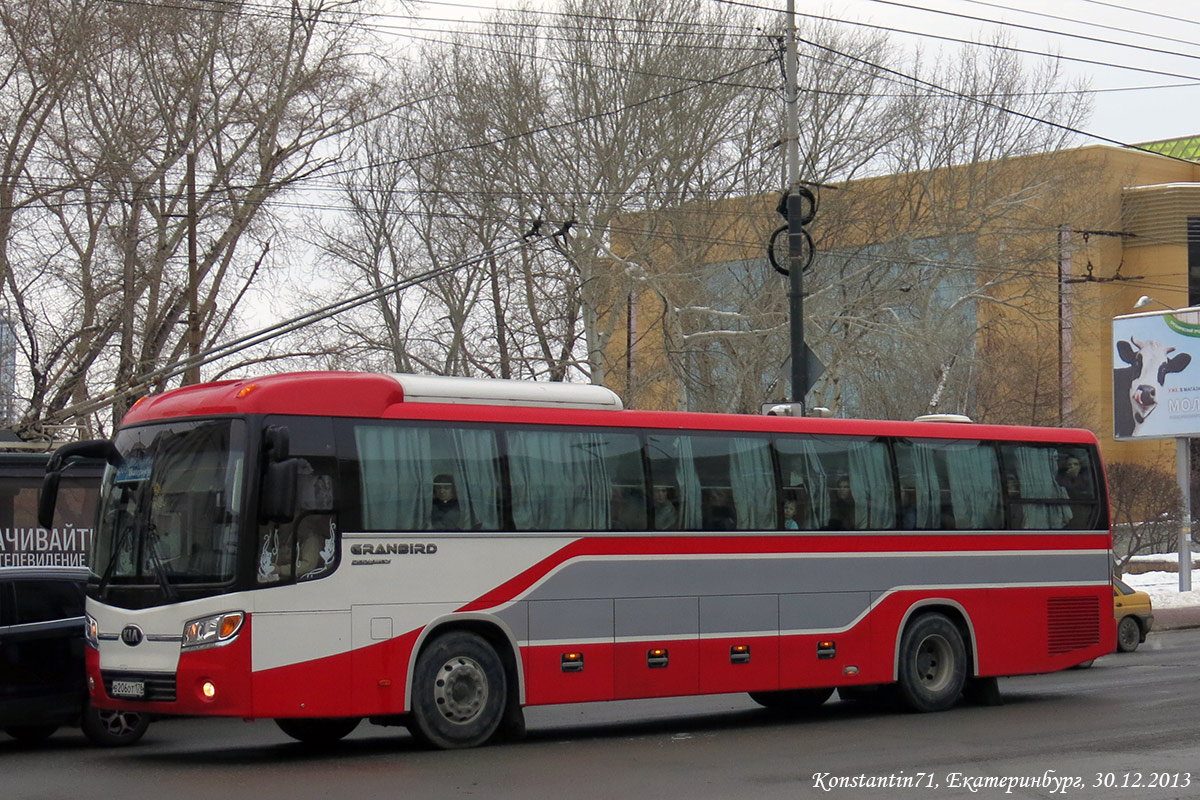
x=1156, y=387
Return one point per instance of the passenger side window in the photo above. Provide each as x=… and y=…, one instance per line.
x=837, y=482
x=948, y=484
x=47, y=600
x=1034, y=497
x=714, y=483
x=576, y=480
x=419, y=478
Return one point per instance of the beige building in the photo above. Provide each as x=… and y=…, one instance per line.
x=1035, y=255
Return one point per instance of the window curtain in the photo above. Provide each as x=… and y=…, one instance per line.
x=479, y=490
x=559, y=481
x=753, y=485
x=803, y=469
x=928, y=489
x=1036, y=470
x=397, y=478
x=974, y=478
x=677, y=455
x=871, y=485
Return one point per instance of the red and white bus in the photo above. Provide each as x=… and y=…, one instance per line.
x=319, y=548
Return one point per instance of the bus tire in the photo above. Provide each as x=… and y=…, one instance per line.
x=319, y=732
x=792, y=701
x=1129, y=635
x=933, y=663
x=459, y=692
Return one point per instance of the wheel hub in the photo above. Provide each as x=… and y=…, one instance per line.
x=461, y=689
x=934, y=659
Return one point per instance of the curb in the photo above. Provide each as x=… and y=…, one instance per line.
x=1172, y=619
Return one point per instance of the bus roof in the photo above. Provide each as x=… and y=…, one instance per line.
x=397, y=396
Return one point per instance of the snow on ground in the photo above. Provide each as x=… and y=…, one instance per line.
x=1163, y=587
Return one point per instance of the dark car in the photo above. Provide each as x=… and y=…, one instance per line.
x=42, y=660
x=42, y=576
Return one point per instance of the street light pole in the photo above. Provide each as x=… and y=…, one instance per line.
x=795, y=214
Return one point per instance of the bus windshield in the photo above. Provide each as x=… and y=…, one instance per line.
x=171, y=511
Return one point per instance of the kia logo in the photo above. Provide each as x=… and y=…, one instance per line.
x=131, y=635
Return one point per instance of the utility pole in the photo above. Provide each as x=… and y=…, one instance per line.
x=192, y=375
x=795, y=214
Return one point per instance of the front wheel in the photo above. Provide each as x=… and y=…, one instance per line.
x=792, y=701
x=320, y=732
x=933, y=663
x=108, y=728
x=459, y=692
x=1129, y=635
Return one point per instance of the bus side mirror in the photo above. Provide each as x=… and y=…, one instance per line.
x=278, y=501
x=102, y=449
x=60, y=460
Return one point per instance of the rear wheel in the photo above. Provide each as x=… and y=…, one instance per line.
x=459, y=692
x=1129, y=635
x=30, y=733
x=109, y=728
x=318, y=731
x=792, y=701
x=933, y=663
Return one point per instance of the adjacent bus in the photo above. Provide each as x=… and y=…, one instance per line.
x=323, y=548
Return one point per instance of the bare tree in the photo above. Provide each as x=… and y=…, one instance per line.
x=957, y=238
x=257, y=96
x=548, y=134
x=1145, y=511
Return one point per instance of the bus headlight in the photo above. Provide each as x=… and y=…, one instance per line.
x=212, y=631
x=91, y=632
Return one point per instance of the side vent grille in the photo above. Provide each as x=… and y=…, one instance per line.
x=1073, y=623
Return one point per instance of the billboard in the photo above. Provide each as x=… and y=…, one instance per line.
x=23, y=542
x=1156, y=375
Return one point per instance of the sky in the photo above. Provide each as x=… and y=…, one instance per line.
x=1141, y=58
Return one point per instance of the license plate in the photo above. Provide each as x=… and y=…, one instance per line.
x=128, y=689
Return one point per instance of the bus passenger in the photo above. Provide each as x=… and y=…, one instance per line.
x=789, y=516
x=445, y=504
x=666, y=516
x=841, y=507
x=1074, y=479
x=628, y=509
x=717, y=511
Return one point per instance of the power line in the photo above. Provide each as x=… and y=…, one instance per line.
x=148, y=380
x=1060, y=18
x=1035, y=29
x=957, y=40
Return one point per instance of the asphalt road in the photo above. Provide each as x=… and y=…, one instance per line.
x=1126, y=728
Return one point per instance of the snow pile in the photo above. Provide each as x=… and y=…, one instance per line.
x=1163, y=587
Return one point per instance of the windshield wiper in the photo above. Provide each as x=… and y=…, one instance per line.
x=106, y=577
x=156, y=564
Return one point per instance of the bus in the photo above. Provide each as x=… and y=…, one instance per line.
x=439, y=553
